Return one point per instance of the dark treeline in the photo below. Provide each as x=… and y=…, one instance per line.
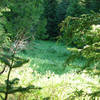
x=56, y=11
x=44, y=19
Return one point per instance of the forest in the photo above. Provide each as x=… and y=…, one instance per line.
x=49, y=49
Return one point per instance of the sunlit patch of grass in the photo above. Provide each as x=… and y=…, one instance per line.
x=24, y=74
x=67, y=85
x=56, y=87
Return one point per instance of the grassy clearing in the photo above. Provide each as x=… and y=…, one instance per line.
x=46, y=56
x=46, y=70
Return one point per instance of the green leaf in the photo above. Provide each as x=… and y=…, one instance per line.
x=2, y=88
x=8, y=56
x=20, y=63
x=5, y=61
x=14, y=81
x=1, y=97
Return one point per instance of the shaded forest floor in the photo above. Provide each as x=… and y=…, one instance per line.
x=46, y=70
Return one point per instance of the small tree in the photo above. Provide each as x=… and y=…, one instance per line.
x=10, y=60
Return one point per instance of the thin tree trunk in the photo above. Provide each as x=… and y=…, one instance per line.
x=6, y=94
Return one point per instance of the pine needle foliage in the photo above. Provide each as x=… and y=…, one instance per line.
x=78, y=33
x=10, y=60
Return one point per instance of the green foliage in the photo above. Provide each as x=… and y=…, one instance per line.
x=19, y=63
x=16, y=25
x=23, y=19
x=4, y=38
x=61, y=10
x=41, y=29
x=11, y=61
x=78, y=31
x=79, y=7
x=50, y=15
x=75, y=8
x=26, y=18
x=61, y=13
x=5, y=61
x=92, y=5
x=46, y=70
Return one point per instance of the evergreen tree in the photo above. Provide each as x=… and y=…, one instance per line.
x=50, y=15
x=61, y=12
x=93, y=5
x=76, y=8
x=20, y=16
x=83, y=33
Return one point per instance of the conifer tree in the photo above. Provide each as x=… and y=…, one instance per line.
x=50, y=15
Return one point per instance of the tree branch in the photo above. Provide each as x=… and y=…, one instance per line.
x=21, y=89
x=1, y=97
x=3, y=70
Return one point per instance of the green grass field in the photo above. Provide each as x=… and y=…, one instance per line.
x=47, y=56
x=46, y=70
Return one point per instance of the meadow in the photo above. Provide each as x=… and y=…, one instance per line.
x=46, y=69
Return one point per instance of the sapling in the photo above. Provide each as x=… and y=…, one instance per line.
x=10, y=60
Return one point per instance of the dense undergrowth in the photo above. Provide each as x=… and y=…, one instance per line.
x=46, y=69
